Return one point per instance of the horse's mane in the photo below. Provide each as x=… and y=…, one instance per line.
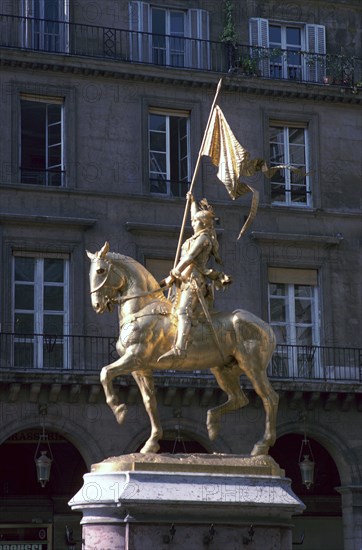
x=131, y=262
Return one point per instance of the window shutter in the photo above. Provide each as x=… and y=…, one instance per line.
x=199, y=47
x=316, y=43
x=139, y=23
x=259, y=36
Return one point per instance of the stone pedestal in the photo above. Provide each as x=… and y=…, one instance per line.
x=146, y=502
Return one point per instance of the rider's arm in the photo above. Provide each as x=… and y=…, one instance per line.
x=197, y=247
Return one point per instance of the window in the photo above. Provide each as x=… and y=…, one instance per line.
x=40, y=311
x=168, y=31
x=289, y=145
x=171, y=37
x=169, y=162
x=46, y=25
x=42, y=161
x=294, y=51
x=283, y=37
x=293, y=314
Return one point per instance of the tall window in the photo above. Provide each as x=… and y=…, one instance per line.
x=171, y=37
x=168, y=31
x=289, y=145
x=46, y=26
x=169, y=162
x=40, y=311
x=288, y=50
x=284, y=37
x=42, y=139
x=293, y=314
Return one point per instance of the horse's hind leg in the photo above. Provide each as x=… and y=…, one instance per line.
x=228, y=379
x=146, y=385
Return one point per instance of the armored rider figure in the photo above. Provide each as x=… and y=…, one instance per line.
x=191, y=273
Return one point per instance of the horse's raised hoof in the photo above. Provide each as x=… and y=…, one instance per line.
x=260, y=449
x=120, y=412
x=213, y=426
x=150, y=447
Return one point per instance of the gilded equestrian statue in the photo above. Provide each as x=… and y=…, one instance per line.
x=237, y=342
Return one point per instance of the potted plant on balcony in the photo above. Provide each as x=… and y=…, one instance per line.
x=228, y=35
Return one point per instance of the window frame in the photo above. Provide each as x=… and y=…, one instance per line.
x=38, y=339
x=45, y=92
x=168, y=113
x=311, y=122
x=36, y=29
x=47, y=101
x=292, y=358
x=313, y=42
x=287, y=160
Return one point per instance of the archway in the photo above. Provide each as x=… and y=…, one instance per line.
x=25, y=502
x=321, y=522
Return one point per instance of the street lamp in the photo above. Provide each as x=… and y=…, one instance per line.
x=43, y=462
x=306, y=465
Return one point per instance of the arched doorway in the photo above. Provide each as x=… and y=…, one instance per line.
x=29, y=510
x=321, y=522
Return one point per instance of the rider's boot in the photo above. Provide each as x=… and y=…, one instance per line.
x=183, y=331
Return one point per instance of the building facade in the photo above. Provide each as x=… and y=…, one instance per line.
x=103, y=109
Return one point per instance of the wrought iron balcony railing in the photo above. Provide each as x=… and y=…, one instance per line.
x=124, y=45
x=87, y=354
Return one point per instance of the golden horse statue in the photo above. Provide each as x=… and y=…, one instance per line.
x=147, y=328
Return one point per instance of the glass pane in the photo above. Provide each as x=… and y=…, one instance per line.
x=276, y=134
x=177, y=23
x=51, y=9
x=304, y=336
x=158, y=21
x=53, y=270
x=303, y=311
x=275, y=34
x=54, y=113
x=157, y=141
x=24, y=269
x=280, y=334
x=54, y=156
x=277, y=310
x=33, y=135
x=24, y=297
x=158, y=122
x=293, y=36
x=53, y=324
x=158, y=163
x=23, y=323
x=297, y=157
x=296, y=135
x=303, y=291
x=298, y=193
x=54, y=134
x=277, y=289
x=53, y=298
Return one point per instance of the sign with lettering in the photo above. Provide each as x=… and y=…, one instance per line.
x=25, y=537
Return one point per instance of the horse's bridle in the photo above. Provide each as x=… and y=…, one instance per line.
x=110, y=266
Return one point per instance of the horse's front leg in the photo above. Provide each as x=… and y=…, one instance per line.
x=146, y=385
x=123, y=365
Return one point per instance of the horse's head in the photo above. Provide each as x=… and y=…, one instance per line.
x=105, y=282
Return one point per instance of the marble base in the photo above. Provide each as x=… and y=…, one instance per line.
x=141, y=502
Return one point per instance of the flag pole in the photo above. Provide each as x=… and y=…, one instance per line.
x=187, y=207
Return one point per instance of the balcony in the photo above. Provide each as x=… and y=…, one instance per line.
x=40, y=353
x=121, y=45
